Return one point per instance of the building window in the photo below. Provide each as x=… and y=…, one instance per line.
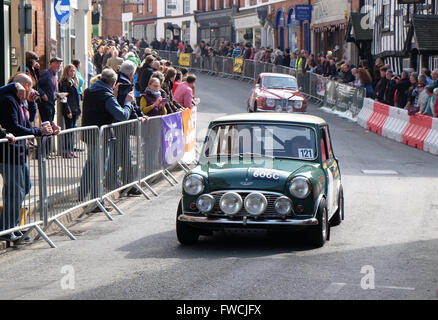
x=386, y=14
x=149, y=5
x=246, y=3
x=140, y=9
x=186, y=6
x=170, y=7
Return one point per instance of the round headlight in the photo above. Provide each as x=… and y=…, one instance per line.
x=193, y=184
x=283, y=206
x=298, y=104
x=205, y=203
x=300, y=187
x=289, y=108
x=270, y=102
x=255, y=203
x=278, y=108
x=231, y=203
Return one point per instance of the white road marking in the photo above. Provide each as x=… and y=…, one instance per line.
x=380, y=172
x=334, y=287
x=396, y=288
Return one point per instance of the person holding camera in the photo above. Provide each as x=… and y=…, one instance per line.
x=151, y=103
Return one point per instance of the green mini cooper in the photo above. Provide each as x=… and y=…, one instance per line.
x=263, y=171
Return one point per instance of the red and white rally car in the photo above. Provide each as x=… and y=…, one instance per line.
x=276, y=92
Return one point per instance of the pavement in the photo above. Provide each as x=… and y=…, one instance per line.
x=385, y=249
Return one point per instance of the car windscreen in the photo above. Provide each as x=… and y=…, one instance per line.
x=272, y=82
x=261, y=140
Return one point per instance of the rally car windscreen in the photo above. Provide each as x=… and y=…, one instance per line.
x=261, y=140
x=272, y=82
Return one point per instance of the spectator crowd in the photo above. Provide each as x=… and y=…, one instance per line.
x=124, y=82
x=127, y=79
x=410, y=90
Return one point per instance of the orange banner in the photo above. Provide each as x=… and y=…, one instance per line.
x=189, y=129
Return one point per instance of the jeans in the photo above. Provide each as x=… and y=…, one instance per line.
x=90, y=174
x=16, y=185
x=69, y=138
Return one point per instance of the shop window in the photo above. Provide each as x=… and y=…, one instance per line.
x=386, y=14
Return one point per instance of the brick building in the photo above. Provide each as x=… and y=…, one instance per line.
x=111, y=17
x=143, y=22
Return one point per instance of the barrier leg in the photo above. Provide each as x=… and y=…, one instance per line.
x=45, y=237
x=120, y=212
x=180, y=164
x=104, y=211
x=142, y=191
x=168, y=180
x=173, y=178
x=63, y=228
x=150, y=188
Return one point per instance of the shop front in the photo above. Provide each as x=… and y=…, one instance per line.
x=330, y=37
x=215, y=27
x=248, y=27
x=144, y=29
x=329, y=26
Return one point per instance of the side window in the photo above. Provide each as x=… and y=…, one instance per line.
x=329, y=144
x=323, y=146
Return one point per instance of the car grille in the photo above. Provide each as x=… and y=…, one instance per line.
x=270, y=209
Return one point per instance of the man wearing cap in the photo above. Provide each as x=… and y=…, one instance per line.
x=47, y=88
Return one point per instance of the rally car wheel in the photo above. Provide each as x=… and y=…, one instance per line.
x=319, y=234
x=186, y=234
x=339, y=214
x=248, y=107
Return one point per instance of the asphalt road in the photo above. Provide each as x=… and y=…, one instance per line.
x=387, y=247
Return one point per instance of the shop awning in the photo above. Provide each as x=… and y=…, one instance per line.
x=355, y=32
x=140, y=22
x=329, y=26
x=173, y=26
x=422, y=34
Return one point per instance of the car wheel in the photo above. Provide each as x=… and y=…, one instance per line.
x=339, y=214
x=186, y=234
x=248, y=108
x=319, y=234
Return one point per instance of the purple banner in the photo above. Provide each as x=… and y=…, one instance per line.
x=172, y=138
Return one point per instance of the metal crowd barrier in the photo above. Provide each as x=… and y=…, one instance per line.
x=21, y=181
x=120, y=149
x=312, y=85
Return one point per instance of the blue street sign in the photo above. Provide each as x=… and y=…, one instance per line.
x=62, y=11
x=303, y=12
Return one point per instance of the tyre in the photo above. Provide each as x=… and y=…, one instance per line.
x=186, y=234
x=339, y=214
x=319, y=234
x=248, y=108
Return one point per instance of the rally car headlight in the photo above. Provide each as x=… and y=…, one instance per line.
x=300, y=187
x=230, y=203
x=205, y=203
x=255, y=203
x=298, y=104
x=193, y=184
x=270, y=102
x=283, y=206
x=278, y=108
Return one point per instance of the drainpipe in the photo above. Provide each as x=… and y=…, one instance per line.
x=22, y=36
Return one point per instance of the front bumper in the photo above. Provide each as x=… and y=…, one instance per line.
x=242, y=223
